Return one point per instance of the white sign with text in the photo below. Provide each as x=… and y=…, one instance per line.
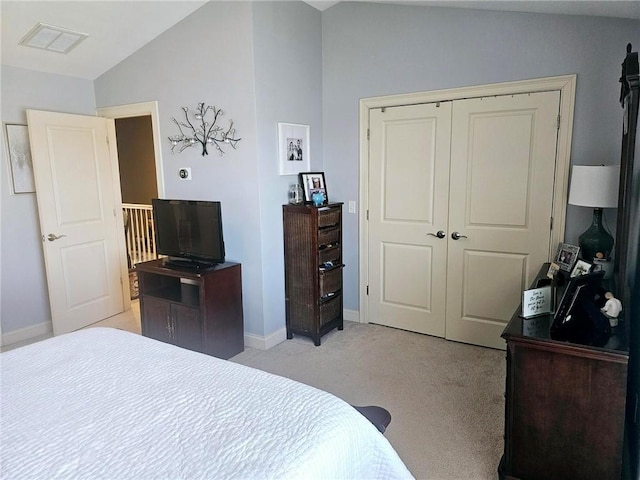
x=536, y=301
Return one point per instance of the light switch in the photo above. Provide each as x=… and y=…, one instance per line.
x=352, y=206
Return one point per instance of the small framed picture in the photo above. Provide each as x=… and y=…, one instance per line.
x=20, y=159
x=314, y=188
x=554, y=268
x=567, y=256
x=293, y=148
x=581, y=268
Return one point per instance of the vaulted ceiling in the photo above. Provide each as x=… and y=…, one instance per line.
x=116, y=29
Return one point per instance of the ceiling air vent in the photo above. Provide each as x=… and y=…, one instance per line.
x=55, y=39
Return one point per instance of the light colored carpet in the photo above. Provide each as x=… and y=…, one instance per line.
x=446, y=399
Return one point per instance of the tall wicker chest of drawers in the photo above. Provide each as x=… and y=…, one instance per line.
x=313, y=269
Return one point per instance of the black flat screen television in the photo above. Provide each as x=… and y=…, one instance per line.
x=189, y=232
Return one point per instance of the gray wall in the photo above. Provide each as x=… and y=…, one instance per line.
x=288, y=79
x=207, y=57
x=239, y=57
x=371, y=50
x=25, y=300
x=269, y=62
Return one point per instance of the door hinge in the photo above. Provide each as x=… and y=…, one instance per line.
x=368, y=134
x=558, y=124
x=367, y=215
x=367, y=289
x=551, y=224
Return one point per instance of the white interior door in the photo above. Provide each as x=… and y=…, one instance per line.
x=503, y=152
x=480, y=168
x=409, y=184
x=80, y=212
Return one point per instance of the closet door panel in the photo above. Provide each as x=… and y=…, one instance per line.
x=502, y=172
x=408, y=189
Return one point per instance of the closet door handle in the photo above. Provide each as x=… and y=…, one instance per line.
x=440, y=234
x=457, y=236
x=53, y=237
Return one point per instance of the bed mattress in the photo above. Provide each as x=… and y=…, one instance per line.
x=106, y=404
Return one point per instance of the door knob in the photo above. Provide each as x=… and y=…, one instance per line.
x=51, y=237
x=457, y=236
x=440, y=234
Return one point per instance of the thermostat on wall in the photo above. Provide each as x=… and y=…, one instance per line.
x=184, y=173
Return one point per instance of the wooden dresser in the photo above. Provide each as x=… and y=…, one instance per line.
x=313, y=269
x=564, y=404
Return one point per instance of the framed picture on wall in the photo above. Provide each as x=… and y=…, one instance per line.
x=20, y=159
x=293, y=148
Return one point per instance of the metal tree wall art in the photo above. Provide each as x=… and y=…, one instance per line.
x=203, y=131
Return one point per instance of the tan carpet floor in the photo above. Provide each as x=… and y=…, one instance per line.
x=446, y=399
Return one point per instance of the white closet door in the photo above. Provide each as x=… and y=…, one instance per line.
x=503, y=152
x=409, y=186
x=482, y=168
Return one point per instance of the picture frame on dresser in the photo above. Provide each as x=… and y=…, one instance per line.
x=573, y=290
x=313, y=183
x=567, y=256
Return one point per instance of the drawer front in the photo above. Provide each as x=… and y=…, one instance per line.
x=328, y=237
x=330, y=281
x=328, y=218
x=333, y=255
x=331, y=310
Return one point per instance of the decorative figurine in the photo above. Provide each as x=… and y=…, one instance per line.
x=612, y=309
x=318, y=198
x=295, y=194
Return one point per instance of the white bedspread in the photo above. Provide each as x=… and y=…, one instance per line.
x=107, y=404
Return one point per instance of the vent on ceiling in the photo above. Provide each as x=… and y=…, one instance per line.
x=55, y=39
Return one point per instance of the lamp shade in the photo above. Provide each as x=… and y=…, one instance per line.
x=595, y=186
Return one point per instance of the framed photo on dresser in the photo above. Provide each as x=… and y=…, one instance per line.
x=567, y=257
x=314, y=183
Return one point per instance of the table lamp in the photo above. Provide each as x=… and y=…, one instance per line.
x=596, y=187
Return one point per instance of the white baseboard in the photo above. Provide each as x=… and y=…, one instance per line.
x=279, y=336
x=265, y=343
x=351, y=315
x=27, y=333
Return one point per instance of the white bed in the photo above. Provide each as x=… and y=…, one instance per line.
x=106, y=404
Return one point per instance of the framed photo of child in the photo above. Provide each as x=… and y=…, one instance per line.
x=567, y=257
x=313, y=183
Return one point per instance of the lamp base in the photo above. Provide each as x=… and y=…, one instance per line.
x=595, y=242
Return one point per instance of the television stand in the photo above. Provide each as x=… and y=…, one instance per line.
x=186, y=264
x=197, y=309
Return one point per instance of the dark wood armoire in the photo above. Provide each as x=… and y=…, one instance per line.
x=627, y=256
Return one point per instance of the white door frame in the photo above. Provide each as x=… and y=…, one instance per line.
x=566, y=84
x=139, y=110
